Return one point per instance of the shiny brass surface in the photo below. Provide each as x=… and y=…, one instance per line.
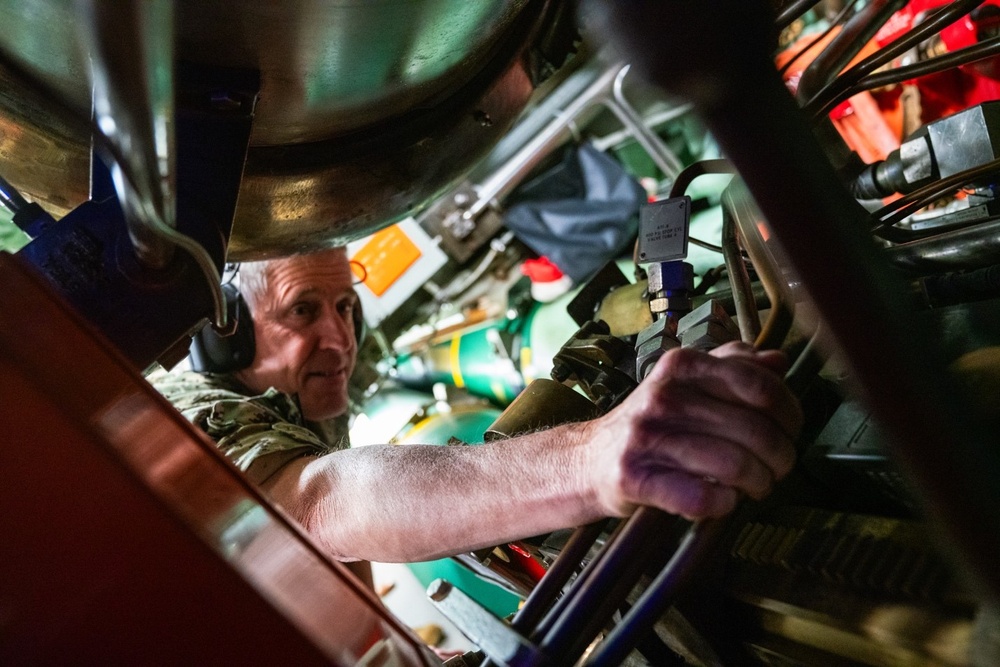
x=543, y=404
x=44, y=152
x=366, y=111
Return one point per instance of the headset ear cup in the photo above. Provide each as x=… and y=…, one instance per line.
x=358, y=318
x=214, y=353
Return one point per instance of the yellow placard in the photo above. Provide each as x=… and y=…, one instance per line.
x=385, y=257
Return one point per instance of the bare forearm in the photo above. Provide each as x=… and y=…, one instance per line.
x=698, y=434
x=407, y=503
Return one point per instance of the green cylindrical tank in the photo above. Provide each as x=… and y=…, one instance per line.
x=495, y=360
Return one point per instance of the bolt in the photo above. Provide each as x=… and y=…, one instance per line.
x=655, y=275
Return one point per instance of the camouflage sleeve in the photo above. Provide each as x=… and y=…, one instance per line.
x=254, y=432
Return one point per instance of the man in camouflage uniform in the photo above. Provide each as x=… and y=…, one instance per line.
x=700, y=432
x=258, y=433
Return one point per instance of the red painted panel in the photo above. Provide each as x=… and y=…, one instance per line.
x=126, y=539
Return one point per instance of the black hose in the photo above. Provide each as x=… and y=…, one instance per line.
x=841, y=50
x=822, y=103
x=837, y=20
x=952, y=288
x=700, y=168
x=793, y=11
x=970, y=54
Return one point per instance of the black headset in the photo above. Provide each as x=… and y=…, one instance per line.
x=212, y=352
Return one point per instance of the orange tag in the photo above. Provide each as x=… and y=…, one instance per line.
x=385, y=258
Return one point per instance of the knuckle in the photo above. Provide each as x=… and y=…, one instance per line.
x=738, y=466
x=786, y=460
x=669, y=395
x=629, y=476
x=698, y=501
x=765, y=388
x=679, y=361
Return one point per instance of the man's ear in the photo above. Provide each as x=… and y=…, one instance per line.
x=212, y=352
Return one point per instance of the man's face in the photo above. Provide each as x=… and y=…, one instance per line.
x=304, y=329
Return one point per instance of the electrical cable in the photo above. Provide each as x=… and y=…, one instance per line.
x=705, y=244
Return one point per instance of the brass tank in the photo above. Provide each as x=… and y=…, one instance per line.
x=367, y=109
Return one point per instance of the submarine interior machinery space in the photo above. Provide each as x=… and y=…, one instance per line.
x=540, y=198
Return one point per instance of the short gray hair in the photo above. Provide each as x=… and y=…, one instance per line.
x=254, y=277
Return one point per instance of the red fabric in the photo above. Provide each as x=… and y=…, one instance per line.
x=541, y=270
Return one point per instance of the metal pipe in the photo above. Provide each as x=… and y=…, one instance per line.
x=571, y=625
x=652, y=121
x=649, y=140
x=659, y=596
x=605, y=88
x=699, y=168
x=131, y=48
x=981, y=51
x=907, y=205
x=541, y=598
x=743, y=298
x=841, y=16
x=506, y=177
x=984, y=50
x=746, y=216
